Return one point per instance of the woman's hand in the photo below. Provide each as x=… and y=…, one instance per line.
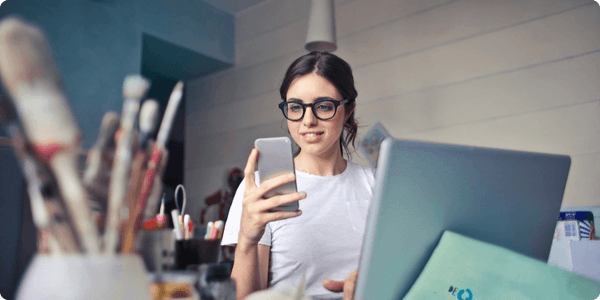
x=255, y=208
x=347, y=286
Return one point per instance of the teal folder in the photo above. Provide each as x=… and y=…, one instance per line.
x=467, y=269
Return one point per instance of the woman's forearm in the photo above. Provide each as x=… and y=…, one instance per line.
x=246, y=269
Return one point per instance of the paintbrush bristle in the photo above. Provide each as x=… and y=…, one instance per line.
x=148, y=116
x=135, y=87
x=95, y=161
x=178, y=86
x=170, y=112
x=25, y=55
x=33, y=82
x=108, y=128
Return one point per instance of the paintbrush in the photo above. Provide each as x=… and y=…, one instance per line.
x=41, y=217
x=38, y=179
x=159, y=149
x=96, y=176
x=159, y=154
x=153, y=201
x=134, y=88
x=147, y=123
x=32, y=79
x=155, y=162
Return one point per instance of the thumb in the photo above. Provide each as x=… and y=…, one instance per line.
x=333, y=285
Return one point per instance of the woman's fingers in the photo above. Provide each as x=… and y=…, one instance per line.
x=258, y=193
x=268, y=185
x=256, y=209
x=265, y=187
x=273, y=202
x=347, y=286
x=350, y=285
x=333, y=285
x=249, y=170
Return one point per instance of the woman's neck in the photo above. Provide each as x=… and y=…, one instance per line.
x=326, y=165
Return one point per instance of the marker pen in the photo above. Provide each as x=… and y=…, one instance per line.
x=186, y=220
x=161, y=218
x=177, y=229
x=208, y=229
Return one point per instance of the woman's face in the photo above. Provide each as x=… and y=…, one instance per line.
x=314, y=136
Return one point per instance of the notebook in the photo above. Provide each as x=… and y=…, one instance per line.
x=507, y=198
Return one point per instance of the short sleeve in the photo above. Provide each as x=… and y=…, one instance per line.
x=232, y=226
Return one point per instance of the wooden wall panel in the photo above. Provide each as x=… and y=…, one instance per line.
x=516, y=74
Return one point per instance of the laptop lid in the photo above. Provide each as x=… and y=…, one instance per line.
x=506, y=198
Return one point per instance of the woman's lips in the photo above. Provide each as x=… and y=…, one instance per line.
x=311, y=136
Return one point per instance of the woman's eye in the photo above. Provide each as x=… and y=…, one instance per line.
x=325, y=107
x=294, y=107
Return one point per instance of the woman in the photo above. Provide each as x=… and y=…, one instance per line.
x=323, y=239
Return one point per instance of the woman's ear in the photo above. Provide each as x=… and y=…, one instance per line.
x=349, y=110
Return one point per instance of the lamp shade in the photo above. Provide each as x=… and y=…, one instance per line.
x=321, y=27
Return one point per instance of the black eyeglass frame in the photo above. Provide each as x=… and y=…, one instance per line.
x=336, y=103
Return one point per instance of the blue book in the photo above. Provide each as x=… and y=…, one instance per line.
x=586, y=221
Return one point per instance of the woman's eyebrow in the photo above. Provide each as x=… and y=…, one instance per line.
x=324, y=98
x=318, y=99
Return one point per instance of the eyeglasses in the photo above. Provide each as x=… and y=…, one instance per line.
x=322, y=109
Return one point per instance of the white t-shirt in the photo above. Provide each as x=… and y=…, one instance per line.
x=325, y=241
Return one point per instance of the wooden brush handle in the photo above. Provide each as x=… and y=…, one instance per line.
x=48, y=211
x=135, y=186
x=135, y=219
x=33, y=81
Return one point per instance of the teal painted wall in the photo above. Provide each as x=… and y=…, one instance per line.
x=192, y=24
x=98, y=42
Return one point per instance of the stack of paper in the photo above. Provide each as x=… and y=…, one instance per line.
x=465, y=268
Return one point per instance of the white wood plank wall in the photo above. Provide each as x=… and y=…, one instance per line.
x=514, y=74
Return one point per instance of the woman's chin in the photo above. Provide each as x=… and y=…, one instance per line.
x=315, y=149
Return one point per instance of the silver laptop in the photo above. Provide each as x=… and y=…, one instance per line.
x=506, y=198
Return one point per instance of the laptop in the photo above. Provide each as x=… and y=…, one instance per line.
x=507, y=198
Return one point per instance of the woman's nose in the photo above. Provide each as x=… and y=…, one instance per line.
x=309, y=117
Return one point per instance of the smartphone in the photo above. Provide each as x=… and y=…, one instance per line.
x=275, y=158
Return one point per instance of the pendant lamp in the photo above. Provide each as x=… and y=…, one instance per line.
x=321, y=27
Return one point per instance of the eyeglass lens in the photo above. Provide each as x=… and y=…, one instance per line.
x=322, y=109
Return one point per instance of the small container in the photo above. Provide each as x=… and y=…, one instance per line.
x=158, y=249
x=85, y=276
x=194, y=252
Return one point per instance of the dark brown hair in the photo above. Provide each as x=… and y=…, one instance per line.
x=338, y=72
